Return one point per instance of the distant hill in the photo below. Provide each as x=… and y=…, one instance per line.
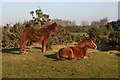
x=64, y=22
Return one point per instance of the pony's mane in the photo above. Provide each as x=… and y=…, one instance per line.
x=45, y=26
x=82, y=41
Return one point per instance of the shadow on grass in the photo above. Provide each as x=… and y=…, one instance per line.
x=103, y=47
x=51, y=56
x=10, y=51
x=117, y=54
x=38, y=48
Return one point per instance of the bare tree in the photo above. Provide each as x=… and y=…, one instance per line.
x=64, y=22
x=103, y=21
x=84, y=23
x=95, y=23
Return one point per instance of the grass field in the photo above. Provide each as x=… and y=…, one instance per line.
x=42, y=65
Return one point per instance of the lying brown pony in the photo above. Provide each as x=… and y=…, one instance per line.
x=41, y=35
x=76, y=52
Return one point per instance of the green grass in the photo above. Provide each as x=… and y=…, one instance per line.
x=42, y=65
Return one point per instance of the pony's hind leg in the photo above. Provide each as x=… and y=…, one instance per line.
x=70, y=58
x=71, y=55
x=21, y=48
x=58, y=57
x=44, y=42
x=24, y=48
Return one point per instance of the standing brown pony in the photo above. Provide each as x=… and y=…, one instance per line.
x=41, y=34
x=76, y=52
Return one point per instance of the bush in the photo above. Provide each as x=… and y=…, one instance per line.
x=114, y=40
x=99, y=34
x=11, y=35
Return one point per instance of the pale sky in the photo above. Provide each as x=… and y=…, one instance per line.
x=13, y=12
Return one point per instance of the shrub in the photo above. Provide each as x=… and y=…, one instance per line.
x=11, y=35
x=114, y=40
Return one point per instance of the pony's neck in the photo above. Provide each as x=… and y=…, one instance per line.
x=81, y=44
x=85, y=48
x=48, y=28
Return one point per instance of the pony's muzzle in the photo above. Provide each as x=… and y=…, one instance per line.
x=95, y=47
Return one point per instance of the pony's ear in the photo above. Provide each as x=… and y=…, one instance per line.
x=54, y=24
x=93, y=39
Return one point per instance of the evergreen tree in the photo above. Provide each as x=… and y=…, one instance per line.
x=40, y=18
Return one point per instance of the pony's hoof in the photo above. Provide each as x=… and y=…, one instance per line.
x=24, y=53
x=86, y=57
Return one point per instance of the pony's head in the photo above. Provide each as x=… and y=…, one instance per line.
x=91, y=44
x=55, y=27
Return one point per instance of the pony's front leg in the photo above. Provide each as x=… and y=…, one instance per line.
x=21, y=50
x=24, y=49
x=87, y=56
x=44, y=46
x=71, y=56
x=23, y=46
